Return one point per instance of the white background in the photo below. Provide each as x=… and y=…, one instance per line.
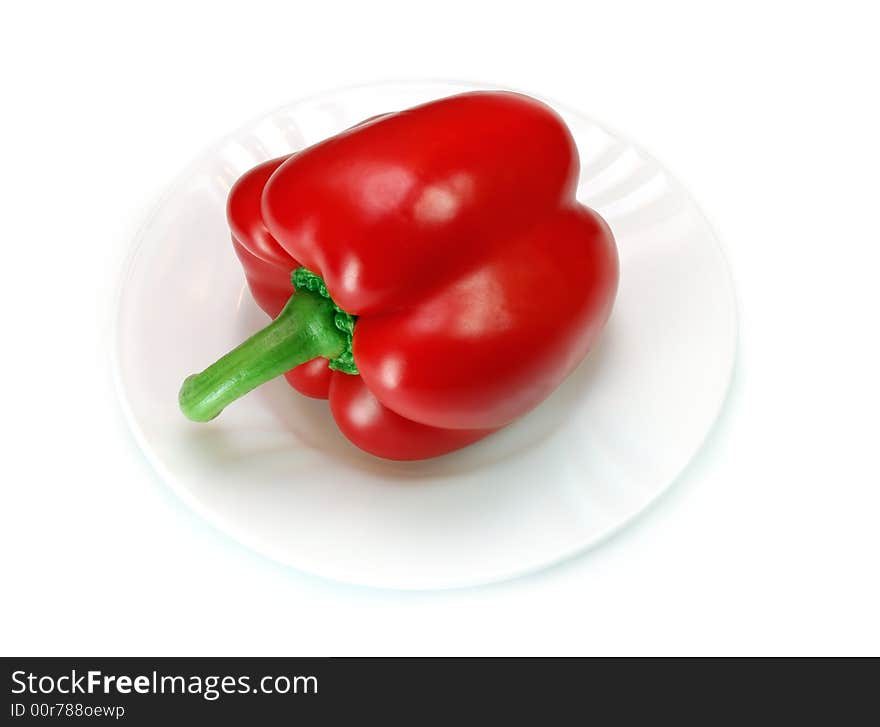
x=767, y=112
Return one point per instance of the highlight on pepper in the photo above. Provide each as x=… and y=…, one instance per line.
x=429, y=272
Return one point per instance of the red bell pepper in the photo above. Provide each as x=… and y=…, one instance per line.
x=446, y=278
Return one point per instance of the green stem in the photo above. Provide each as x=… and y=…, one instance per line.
x=305, y=329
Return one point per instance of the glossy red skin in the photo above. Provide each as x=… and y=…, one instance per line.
x=452, y=231
x=267, y=267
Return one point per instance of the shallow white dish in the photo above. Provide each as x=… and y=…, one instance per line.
x=273, y=471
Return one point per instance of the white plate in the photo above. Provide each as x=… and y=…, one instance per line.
x=274, y=473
